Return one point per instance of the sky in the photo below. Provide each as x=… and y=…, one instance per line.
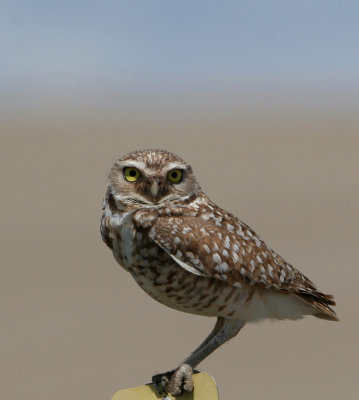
x=184, y=43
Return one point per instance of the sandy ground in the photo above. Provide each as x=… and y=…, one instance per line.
x=74, y=325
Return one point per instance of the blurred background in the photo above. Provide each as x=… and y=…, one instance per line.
x=261, y=98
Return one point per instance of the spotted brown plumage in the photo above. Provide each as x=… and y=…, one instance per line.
x=193, y=256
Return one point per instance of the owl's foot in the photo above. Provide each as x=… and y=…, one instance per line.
x=175, y=382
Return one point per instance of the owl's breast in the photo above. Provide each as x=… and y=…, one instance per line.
x=163, y=278
x=118, y=232
x=131, y=246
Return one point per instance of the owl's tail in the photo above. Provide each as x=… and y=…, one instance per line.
x=321, y=303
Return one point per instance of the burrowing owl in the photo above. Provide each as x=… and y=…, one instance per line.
x=193, y=256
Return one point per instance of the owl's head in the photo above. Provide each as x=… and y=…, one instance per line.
x=152, y=177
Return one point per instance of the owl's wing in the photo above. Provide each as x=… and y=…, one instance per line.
x=229, y=251
x=224, y=248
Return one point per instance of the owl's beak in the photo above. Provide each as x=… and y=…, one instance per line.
x=154, y=189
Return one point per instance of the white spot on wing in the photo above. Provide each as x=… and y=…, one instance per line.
x=230, y=228
x=227, y=242
x=235, y=257
x=253, y=265
x=270, y=270
x=225, y=253
x=223, y=267
x=203, y=231
x=216, y=258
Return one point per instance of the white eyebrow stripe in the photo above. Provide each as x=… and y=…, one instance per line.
x=175, y=165
x=132, y=163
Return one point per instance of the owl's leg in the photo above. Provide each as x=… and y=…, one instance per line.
x=223, y=331
x=175, y=382
x=217, y=327
x=184, y=372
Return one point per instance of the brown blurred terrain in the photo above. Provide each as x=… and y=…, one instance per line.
x=74, y=325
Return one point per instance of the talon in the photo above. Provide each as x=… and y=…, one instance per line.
x=174, y=382
x=181, y=380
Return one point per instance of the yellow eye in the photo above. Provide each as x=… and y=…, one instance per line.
x=132, y=174
x=175, y=176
